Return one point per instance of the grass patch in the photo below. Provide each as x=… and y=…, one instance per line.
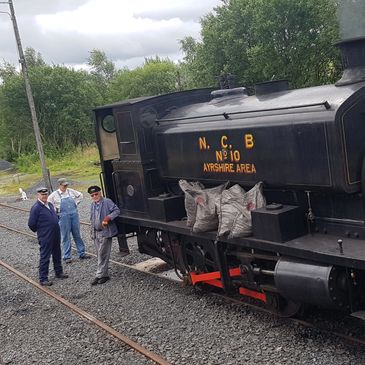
x=80, y=166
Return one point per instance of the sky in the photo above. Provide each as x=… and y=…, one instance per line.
x=128, y=31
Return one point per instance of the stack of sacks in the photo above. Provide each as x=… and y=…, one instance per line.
x=228, y=211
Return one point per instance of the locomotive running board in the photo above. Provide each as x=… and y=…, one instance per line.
x=212, y=278
x=316, y=247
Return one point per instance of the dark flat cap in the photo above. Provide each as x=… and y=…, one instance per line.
x=42, y=190
x=93, y=189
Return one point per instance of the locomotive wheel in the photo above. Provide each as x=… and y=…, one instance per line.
x=200, y=257
x=153, y=242
x=282, y=307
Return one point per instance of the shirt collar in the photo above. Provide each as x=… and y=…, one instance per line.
x=45, y=204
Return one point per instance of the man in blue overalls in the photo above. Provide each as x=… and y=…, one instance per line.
x=44, y=220
x=65, y=201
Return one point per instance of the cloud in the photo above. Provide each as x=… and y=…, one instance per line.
x=65, y=31
x=27, y=7
x=186, y=10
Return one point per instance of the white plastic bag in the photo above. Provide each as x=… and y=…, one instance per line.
x=228, y=207
x=190, y=205
x=206, y=213
x=253, y=199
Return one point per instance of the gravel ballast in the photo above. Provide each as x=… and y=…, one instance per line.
x=178, y=323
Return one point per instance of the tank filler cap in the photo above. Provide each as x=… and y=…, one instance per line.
x=273, y=86
x=238, y=91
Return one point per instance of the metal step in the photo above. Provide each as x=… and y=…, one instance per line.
x=359, y=314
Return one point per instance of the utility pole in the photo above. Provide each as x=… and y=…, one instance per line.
x=28, y=89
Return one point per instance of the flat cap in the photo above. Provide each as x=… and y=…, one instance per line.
x=93, y=189
x=42, y=189
x=62, y=181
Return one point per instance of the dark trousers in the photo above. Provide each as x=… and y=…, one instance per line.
x=47, y=249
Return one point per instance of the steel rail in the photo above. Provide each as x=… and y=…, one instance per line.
x=302, y=322
x=32, y=235
x=27, y=211
x=85, y=315
x=236, y=301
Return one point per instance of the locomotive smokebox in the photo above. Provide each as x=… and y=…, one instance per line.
x=353, y=60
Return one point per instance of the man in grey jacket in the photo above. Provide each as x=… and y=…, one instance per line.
x=103, y=228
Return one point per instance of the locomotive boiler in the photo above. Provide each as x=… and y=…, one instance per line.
x=306, y=146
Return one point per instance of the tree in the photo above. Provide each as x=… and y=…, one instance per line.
x=6, y=70
x=33, y=58
x=63, y=99
x=17, y=132
x=260, y=40
x=194, y=71
x=156, y=76
x=101, y=66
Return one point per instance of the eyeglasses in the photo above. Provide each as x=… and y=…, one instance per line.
x=94, y=194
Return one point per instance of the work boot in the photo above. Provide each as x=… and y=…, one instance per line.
x=61, y=276
x=85, y=257
x=103, y=280
x=123, y=253
x=95, y=281
x=46, y=283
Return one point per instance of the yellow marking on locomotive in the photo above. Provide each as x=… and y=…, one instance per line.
x=243, y=168
x=219, y=155
x=249, y=141
x=227, y=159
x=224, y=141
x=202, y=143
x=219, y=167
x=246, y=168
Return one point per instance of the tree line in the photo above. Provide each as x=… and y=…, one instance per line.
x=255, y=40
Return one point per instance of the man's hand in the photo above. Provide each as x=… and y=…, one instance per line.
x=105, y=221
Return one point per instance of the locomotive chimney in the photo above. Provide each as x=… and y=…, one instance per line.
x=353, y=60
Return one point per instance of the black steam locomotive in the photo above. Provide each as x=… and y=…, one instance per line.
x=307, y=146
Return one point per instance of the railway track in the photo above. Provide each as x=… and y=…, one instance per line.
x=136, y=267
x=27, y=211
x=89, y=318
x=304, y=323
x=80, y=312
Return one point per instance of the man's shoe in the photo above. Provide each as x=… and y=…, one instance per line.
x=95, y=281
x=46, y=283
x=68, y=261
x=61, y=276
x=85, y=257
x=103, y=280
x=124, y=253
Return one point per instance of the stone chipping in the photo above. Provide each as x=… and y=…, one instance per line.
x=183, y=325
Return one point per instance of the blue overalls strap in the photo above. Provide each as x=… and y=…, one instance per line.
x=67, y=205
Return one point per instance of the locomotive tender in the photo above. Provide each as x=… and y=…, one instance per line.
x=305, y=145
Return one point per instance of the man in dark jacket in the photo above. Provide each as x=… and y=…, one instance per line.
x=103, y=228
x=44, y=220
